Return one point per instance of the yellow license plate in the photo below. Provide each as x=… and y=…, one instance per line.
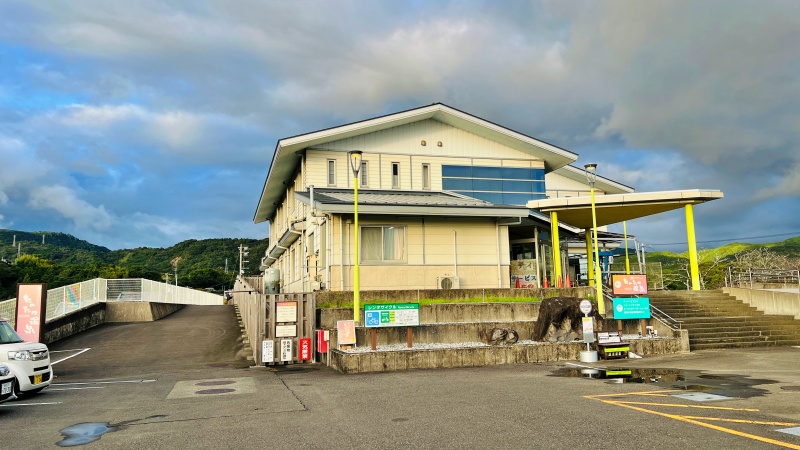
x=37, y=379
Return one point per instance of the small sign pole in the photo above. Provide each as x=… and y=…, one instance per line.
x=409, y=334
x=373, y=334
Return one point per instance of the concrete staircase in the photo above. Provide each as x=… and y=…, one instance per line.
x=717, y=320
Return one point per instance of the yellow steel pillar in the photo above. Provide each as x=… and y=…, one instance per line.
x=627, y=261
x=589, y=257
x=601, y=302
x=556, y=250
x=693, y=266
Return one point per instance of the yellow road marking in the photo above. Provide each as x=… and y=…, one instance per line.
x=707, y=425
x=697, y=420
x=676, y=405
x=625, y=394
x=754, y=422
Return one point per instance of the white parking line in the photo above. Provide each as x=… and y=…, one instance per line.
x=70, y=356
x=29, y=404
x=75, y=388
x=102, y=382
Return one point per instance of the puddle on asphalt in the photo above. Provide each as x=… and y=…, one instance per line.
x=84, y=433
x=728, y=385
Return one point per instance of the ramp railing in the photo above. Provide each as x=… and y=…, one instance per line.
x=66, y=299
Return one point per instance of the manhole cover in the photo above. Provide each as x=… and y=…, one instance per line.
x=215, y=383
x=216, y=391
x=790, y=388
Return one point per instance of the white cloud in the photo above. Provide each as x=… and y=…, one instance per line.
x=66, y=202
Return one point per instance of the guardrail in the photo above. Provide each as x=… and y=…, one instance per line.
x=66, y=299
x=753, y=278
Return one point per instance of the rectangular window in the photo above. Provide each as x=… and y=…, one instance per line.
x=364, y=175
x=331, y=172
x=383, y=244
x=396, y=175
x=426, y=176
x=499, y=185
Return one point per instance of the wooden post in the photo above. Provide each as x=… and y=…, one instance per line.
x=409, y=334
x=619, y=326
x=374, y=338
x=643, y=327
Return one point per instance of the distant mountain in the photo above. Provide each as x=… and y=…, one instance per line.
x=64, y=259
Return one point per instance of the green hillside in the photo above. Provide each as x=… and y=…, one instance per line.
x=64, y=259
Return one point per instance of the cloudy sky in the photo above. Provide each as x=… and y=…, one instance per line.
x=146, y=123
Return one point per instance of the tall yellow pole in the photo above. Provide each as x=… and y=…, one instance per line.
x=627, y=261
x=693, y=266
x=556, y=250
x=589, y=258
x=356, y=280
x=601, y=305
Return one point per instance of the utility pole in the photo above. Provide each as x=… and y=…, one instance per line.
x=14, y=244
x=226, y=265
x=42, y=239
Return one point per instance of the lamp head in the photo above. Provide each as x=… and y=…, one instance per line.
x=355, y=161
x=591, y=174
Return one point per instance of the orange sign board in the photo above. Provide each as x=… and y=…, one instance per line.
x=346, y=332
x=30, y=311
x=629, y=284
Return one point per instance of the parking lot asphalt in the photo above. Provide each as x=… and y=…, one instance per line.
x=184, y=382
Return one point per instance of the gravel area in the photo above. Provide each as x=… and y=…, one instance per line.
x=440, y=346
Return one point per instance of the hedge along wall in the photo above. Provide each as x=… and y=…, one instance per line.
x=341, y=299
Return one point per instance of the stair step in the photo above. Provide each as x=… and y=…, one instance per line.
x=780, y=343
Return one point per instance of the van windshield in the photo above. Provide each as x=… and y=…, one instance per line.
x=8, y=335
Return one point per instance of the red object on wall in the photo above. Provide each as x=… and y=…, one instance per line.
x=322, y=344
x=305, y=349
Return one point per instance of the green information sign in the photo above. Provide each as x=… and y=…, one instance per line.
x=391, y=315
x=631, y=308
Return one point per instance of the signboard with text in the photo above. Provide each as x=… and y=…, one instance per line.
x=629, y=284
x=304, y=349
x=285, y=311
x=631, y=308
x=346, y=332
x=391, y=315
x=286, y=350
x=30, y=311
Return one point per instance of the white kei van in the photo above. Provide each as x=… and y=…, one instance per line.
x=29, y=362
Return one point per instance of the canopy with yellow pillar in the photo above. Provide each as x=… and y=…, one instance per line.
x=615, y=208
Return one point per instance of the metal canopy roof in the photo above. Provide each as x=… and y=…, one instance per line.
x=416, y=203
x=285, y=159
x=615, y=208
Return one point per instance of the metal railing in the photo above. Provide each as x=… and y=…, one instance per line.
x=666, y=319
x=66, y=299
x=752, y=278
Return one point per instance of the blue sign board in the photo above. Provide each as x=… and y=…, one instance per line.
x=632, y=308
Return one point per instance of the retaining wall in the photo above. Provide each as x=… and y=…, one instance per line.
x=74, y=322
x=139, y=311
x=771, y=302
x=353, y=362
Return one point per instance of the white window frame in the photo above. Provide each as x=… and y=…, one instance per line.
x=396, y=178
x=363, y=175
x=426, y=176
x=383, y=260
x=331, y=170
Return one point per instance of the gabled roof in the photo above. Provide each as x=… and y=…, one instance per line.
x=416, y=203
x=285, y=159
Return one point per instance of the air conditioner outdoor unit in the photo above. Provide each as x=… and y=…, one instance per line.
x=447, y=282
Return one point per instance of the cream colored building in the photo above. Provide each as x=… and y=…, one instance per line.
x=442, y=203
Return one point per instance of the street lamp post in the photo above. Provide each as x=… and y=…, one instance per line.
x=591, y=176
x=355, y=164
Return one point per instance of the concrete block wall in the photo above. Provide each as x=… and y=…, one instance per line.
x=771, y=302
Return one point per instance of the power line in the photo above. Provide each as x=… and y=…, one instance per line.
x=733, y=239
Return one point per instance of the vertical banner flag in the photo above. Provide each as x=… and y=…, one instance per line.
x=30, y=311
